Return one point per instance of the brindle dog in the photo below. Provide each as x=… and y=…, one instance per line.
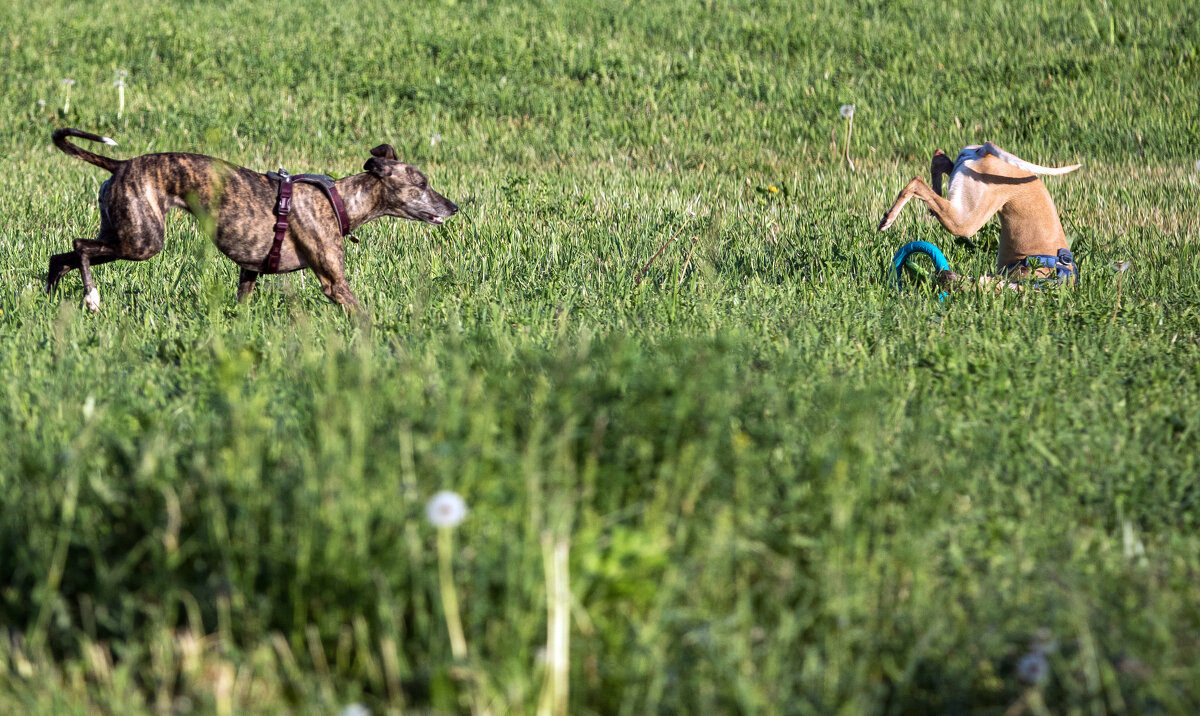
x=135, y=201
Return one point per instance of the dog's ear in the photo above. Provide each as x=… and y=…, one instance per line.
x=378, y=167
x=385, y=151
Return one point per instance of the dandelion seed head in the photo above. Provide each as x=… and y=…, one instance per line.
x=1121, y=266
x=355, y=709
x=41, y=103
x=434, y=139
x=847, y=111
x=121, y=74
x=67, y=81
x=446, y=509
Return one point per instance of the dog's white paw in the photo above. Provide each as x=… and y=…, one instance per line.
x=92, y=300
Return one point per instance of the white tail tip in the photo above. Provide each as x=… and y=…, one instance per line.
x=990, y=148
x=108, y=141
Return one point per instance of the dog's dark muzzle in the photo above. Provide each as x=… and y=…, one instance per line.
x=442, y=209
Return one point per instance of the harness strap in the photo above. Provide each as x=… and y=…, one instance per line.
x=326, y=185
x=283, y=207
x=1063, y=263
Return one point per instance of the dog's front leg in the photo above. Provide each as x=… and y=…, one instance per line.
x=960, y=222
x=329, y=264
x=246, y=281
x=339, y=292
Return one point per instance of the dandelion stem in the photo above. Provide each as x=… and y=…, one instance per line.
x=1117, y=305
x=66, y=83
x=849, y=129
x=555, y=689
x=445, y=551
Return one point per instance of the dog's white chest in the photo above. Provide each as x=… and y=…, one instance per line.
x=959, y=191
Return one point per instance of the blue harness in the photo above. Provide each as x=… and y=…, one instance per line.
x=1063, y=263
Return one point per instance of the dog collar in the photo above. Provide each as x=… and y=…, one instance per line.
x=283, y=207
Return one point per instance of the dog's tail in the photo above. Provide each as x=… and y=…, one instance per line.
x=1016, y=161
x=60, y=141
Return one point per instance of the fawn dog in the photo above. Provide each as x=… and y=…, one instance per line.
x=985, y=180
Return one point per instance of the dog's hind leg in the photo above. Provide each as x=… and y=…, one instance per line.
x=93, y=252
x=246, y=281
x=961, y=218
x=110, y=245
x=940, y=165
x=60, y=265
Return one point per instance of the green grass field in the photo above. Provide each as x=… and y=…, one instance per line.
x=783, y=486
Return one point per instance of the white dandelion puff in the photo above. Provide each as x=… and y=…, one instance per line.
x=1121, y=266
x=847, y=111
x=355, y=709
x=446, y=509
x=434, y=139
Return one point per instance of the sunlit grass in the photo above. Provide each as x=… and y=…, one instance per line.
x=782, y=485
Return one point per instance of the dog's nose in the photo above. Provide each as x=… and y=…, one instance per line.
x=452, y=207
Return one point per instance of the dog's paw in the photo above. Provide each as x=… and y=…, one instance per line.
x=948, y=279
x=92, y=300
x=886, y=222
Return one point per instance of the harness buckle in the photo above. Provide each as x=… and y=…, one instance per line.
x=283, y=175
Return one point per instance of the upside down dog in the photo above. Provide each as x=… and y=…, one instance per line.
x=986, y=180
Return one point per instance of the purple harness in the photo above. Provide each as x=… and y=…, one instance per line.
x=283, y=207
